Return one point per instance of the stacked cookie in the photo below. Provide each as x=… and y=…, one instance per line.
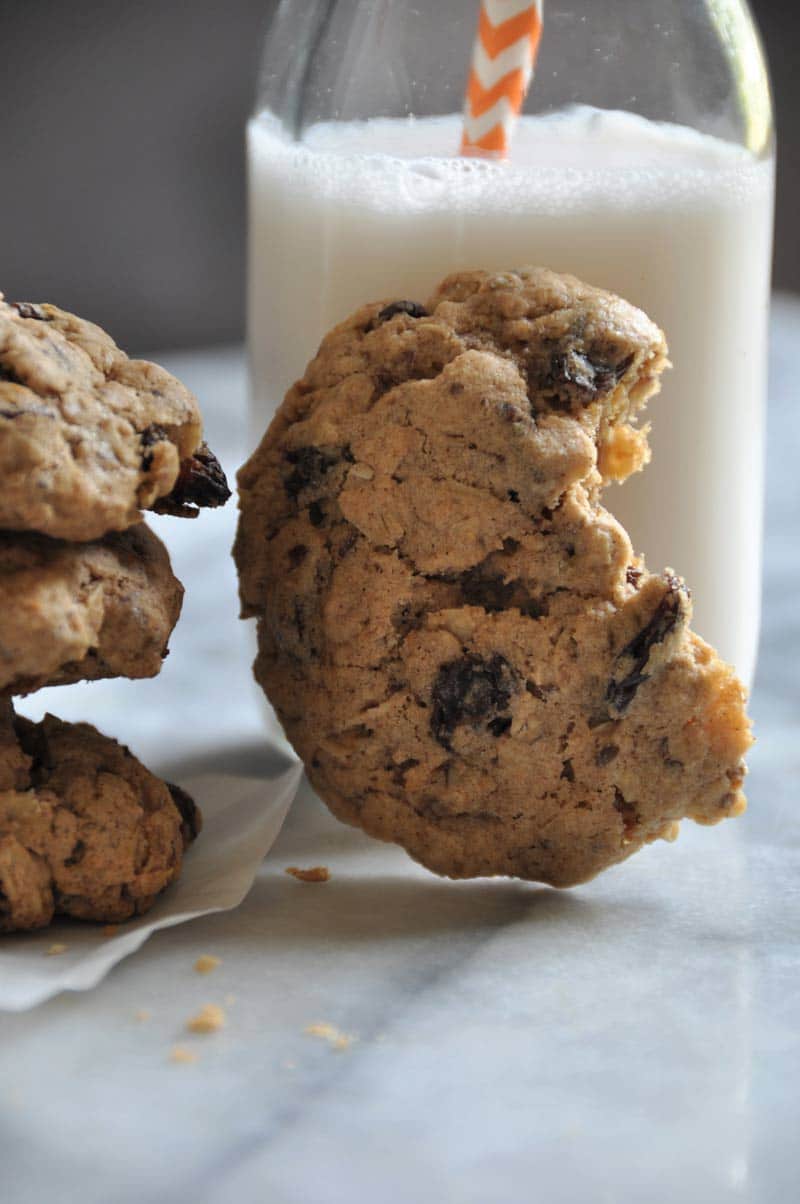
x=88, y=439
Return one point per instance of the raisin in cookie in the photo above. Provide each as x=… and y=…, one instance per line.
x=88, y=437
x=85, y=830
x=458, y=638
x=80, y=611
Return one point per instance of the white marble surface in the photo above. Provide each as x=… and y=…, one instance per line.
x=634, y=1040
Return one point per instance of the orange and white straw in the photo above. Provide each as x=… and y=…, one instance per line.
x=509, y=32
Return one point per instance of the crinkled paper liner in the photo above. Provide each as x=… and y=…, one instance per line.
x=242, y=817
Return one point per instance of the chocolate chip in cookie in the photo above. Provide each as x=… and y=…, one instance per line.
x=27, y=309
x=411, y=309
x=472, y=690
x=201, y=484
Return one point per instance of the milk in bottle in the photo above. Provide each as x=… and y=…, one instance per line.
x=675, y=221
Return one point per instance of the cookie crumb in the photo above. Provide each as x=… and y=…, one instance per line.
x=330, y=1033
x=54, y=950
x=179, y=1053
x=143, y=1015
x=315, y=873
x=209, y=1019
x=229, y=1001
x=110, y=930
x=206, y=963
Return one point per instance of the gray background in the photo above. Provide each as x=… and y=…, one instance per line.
x=121, y=144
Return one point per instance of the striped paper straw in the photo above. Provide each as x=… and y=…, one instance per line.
x=505, y=49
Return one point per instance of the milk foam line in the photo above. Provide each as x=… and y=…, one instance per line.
x=578, y=161
x=509, y=32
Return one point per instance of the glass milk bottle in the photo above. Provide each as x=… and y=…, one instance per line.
x=643, y=162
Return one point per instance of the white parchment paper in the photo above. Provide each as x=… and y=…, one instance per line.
x=241, y=819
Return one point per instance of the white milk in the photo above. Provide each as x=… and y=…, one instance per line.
x=676, y=222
